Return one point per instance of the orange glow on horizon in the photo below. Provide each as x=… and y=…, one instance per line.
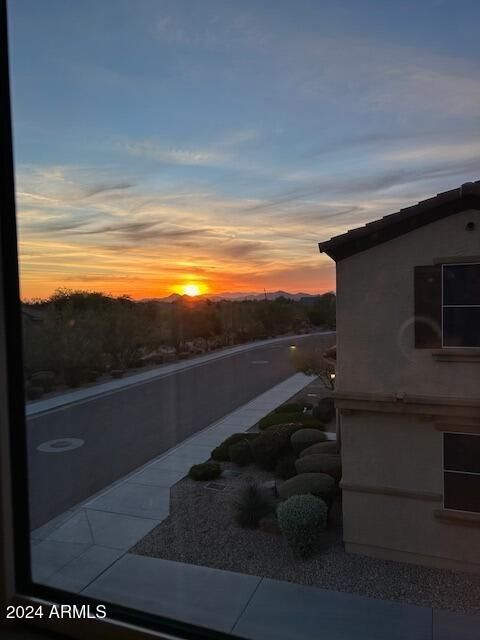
x=191, y=288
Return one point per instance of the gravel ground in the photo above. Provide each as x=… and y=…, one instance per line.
x=200, y=530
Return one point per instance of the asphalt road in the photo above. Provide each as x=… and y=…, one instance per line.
x=122, y=424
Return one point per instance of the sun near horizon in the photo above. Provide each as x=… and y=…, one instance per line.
x=191, y=289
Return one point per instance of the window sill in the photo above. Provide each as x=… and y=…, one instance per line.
x=457, y=355
x=464, y=518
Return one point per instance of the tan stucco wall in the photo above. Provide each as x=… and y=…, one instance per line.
x=390, y=450
x=375, y=352
x=376, y=355
x=401, y=452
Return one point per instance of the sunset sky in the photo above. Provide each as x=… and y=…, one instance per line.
x=164, y=143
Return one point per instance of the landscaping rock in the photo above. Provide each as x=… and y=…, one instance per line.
x=318, y=484
x=270, y=487
x=321, y=447
x=269, y=524
x=320, y=463
x=304, y=438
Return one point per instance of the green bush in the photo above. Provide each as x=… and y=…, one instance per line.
x=301, y=519
x=290, y=418
x=205, y=471
x=293, y=407
x=221, y=453
x=325, y=410
x=304, y=438
x=321, y=463
x=270, y=446
x=33, y=393
x=317, y=484
x=321, y=447
x=240, y=453
x=74, y=376
x=285, y=468
x=251, y=506
x=44, y=379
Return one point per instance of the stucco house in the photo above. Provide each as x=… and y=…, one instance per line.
x=408, y=381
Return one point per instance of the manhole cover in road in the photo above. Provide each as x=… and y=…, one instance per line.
x=60, y=445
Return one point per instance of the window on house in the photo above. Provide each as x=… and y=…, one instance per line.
x=461, y=305
x=447, y=305
x=461, y=476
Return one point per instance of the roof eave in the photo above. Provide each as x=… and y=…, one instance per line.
x=364, y=238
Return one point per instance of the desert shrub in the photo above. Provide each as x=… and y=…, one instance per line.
x=221, y=453
x=317, y=484
x=293, y=407
x=74, y=376
x=44, y=379
x=304, y=438
x=325, y=409
x=301, y=519
x=33, y=393
x=251, y=506
x=320, y=463
x=329, y=446
x=285, y=468
x=270, y=446
x=205, y=471
x=240, y=453
x=290, y=418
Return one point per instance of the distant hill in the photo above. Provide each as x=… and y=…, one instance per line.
x=236, y=296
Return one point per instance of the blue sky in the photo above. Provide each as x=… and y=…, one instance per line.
x=165, y=142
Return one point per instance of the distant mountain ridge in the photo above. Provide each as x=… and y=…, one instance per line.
x=235, y=296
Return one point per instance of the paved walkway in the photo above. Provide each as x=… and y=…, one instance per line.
x=264, y=609
x=71, y=550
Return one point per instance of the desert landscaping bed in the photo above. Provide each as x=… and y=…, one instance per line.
x=201, y=530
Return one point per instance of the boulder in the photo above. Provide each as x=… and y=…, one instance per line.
x=317, y=484
x=321, y=447
x=320, y=463
x=304, y=438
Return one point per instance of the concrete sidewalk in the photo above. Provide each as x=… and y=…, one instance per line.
x=264, y=609
x=70, y=551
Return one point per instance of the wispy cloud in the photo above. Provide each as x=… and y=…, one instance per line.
x=176, y=156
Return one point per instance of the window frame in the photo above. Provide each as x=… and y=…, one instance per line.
x=445, y=471
x=444, y=306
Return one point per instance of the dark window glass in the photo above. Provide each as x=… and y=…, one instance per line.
x=461, y=284
x=461, y=452
x=461, y=326
x=462, y=491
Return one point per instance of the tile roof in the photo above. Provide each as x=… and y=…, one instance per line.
x=407, y=219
